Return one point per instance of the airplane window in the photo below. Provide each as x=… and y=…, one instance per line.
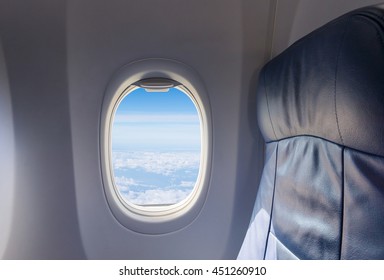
x=156, y=145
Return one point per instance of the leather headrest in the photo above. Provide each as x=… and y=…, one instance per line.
x=329, y=84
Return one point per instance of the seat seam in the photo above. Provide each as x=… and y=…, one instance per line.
x=266, y=98
x=272, y=203
x=327, y=140
x=335, y=82
x=342, y=201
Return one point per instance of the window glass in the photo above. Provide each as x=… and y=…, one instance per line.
x=156, y=147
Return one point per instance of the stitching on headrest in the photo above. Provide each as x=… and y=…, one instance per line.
x=266, y=98
x=335, y=84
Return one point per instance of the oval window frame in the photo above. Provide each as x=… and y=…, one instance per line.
x=155, y=219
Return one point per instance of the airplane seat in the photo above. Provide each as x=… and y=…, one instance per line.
x=321, y=113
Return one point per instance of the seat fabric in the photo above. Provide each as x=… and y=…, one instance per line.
x=321, y=112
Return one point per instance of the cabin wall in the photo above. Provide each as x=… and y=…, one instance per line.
x=60, y=56
x=44, y=212
x=56, y=60
x=216, y=39
x=296, y=18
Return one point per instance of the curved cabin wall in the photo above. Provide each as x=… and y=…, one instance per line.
x=59, y=57
x=217, y=40
x=7, y=156
x=44, y=216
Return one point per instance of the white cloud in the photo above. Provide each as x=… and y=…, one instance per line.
x=164, y=163
x=123, y=183
x=187, y=184
x=143, y=188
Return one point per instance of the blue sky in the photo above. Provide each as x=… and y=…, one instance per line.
x=156, y=121
x=156, y=147
x=174, y=101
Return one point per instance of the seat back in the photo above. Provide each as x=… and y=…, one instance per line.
x=321, y=112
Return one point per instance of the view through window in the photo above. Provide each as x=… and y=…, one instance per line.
x=156, y=147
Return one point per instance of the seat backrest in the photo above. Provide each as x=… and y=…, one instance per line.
x=321, y=112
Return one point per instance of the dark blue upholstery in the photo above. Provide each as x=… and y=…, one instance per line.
x=321, y=112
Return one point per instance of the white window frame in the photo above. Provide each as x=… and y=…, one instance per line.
x=155, y=219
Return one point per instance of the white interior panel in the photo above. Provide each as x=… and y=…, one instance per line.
x=218, y=42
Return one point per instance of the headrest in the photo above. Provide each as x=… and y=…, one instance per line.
x=329, y=84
